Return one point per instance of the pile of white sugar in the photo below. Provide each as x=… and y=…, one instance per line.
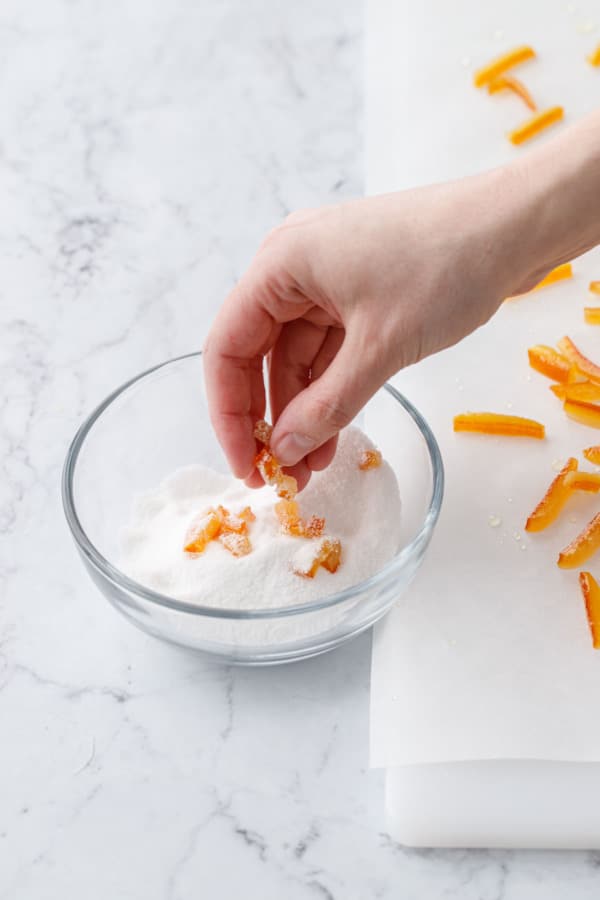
x=361, y=508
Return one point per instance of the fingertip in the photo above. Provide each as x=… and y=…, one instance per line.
x=254, y=480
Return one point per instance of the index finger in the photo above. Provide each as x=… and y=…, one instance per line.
x=239, y=338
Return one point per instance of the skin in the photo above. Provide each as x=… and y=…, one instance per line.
x=340, y=298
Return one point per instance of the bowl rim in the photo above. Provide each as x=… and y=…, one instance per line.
x=99, y=562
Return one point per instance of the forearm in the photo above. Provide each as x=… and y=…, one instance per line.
x=560, y=183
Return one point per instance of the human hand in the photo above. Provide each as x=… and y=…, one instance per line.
x=338, y=299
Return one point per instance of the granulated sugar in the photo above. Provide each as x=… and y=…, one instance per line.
x=361, y=508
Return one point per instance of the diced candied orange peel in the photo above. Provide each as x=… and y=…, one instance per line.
x=587, y=393
x=594, y=287
x=502, y=64
x=273, y=475
x=591, y=596
x=202, y=530
x=314, y=527
x=288, y=513
x=370, y=459
x=589, y=482
x=583, y=365
x=549, y=362
x=327, y=553
x=582, y=547
x=592, y=454
x=552, y=502
x=591, y=315
x=498, y=423
x=536, y=124
x=585, y=415
x=237, y=544
x=263, y=432
x=510, y=83
x=594, y=57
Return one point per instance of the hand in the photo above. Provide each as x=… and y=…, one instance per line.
x=339, y=299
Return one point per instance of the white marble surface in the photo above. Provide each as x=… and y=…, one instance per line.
x=144, y=150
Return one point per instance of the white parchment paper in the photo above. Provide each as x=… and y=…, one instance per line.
x=489, y=654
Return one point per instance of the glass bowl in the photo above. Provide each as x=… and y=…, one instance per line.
x=159, y=421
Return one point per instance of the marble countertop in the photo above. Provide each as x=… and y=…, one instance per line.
x=145, y=149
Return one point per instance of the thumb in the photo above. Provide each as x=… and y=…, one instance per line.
x=328, y=404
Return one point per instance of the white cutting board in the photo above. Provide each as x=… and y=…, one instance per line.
x=490, y=657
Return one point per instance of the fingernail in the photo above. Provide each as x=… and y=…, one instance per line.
x=292, y=448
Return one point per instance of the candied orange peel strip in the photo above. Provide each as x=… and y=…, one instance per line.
x=582, y=547
x=560, y=273
x=268, y=465
x=592, y=454
x=549, y=362
x=587, y=393
x=510, y=83
x=536, y=124
x=591, y=315
x=594, y=57
x=594, y=287
x=584, y=414
x=497, y=423
x=327, y=553
x=589, y=482
x=591, y=596
x=502, y=64
x=370, y=459
x=549, y=507
x=583, y=365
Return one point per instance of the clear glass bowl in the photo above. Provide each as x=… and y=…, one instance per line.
x=158, y=422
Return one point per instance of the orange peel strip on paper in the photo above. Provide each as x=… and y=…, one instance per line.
x=582, y=547
x=592, y=454
x=510, y=83
x=594, y=57
x=549, y=362
x=591, y=596
x=549, y=507
x=536, y=124
x=584, y=365
x=497, y=423
x=594, y=287
x=560, y=273
x=585, y=415
x=583, y=481
x=586, y=393
x=591, y=315
x=502, y=64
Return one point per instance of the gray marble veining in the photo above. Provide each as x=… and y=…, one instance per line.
x=145, y=149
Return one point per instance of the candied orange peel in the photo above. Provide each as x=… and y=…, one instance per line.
x=536, y=124
x=291, y=522
x=220, y=524
x=549, y=507
x=594, y=287
x=582, y=413
x=560, y=273
x=587, y=393
x=591, y=315
x=370, y=459
x=591, y=597
x=502, y=64
x=594, y=57
x=582, y=547
x=498, y=423
x=583, y=365
x=510, y=83
x=549, y=362
x=589, y=482
x=592, y=454
x=268, y=465
x=326, y=553
x=263, y=432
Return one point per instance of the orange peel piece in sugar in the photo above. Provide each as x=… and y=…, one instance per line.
x=314, y=527
x=583, y=413
x=236, y=544
x=510, y=83
x=582, y=364
x=582, y=547
x=594, y=287
x=589, y=482
x=202, y=530
x=536, y=124
x=263, y=432
x=592, y=454
x=291, y=522
x=498, y=423
x=502, y=64
x=549, y=507
x=326, y=552
x=272, y=474
x=370, y=459
x=591, y=597
x=548, y=361
x=591, y=315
